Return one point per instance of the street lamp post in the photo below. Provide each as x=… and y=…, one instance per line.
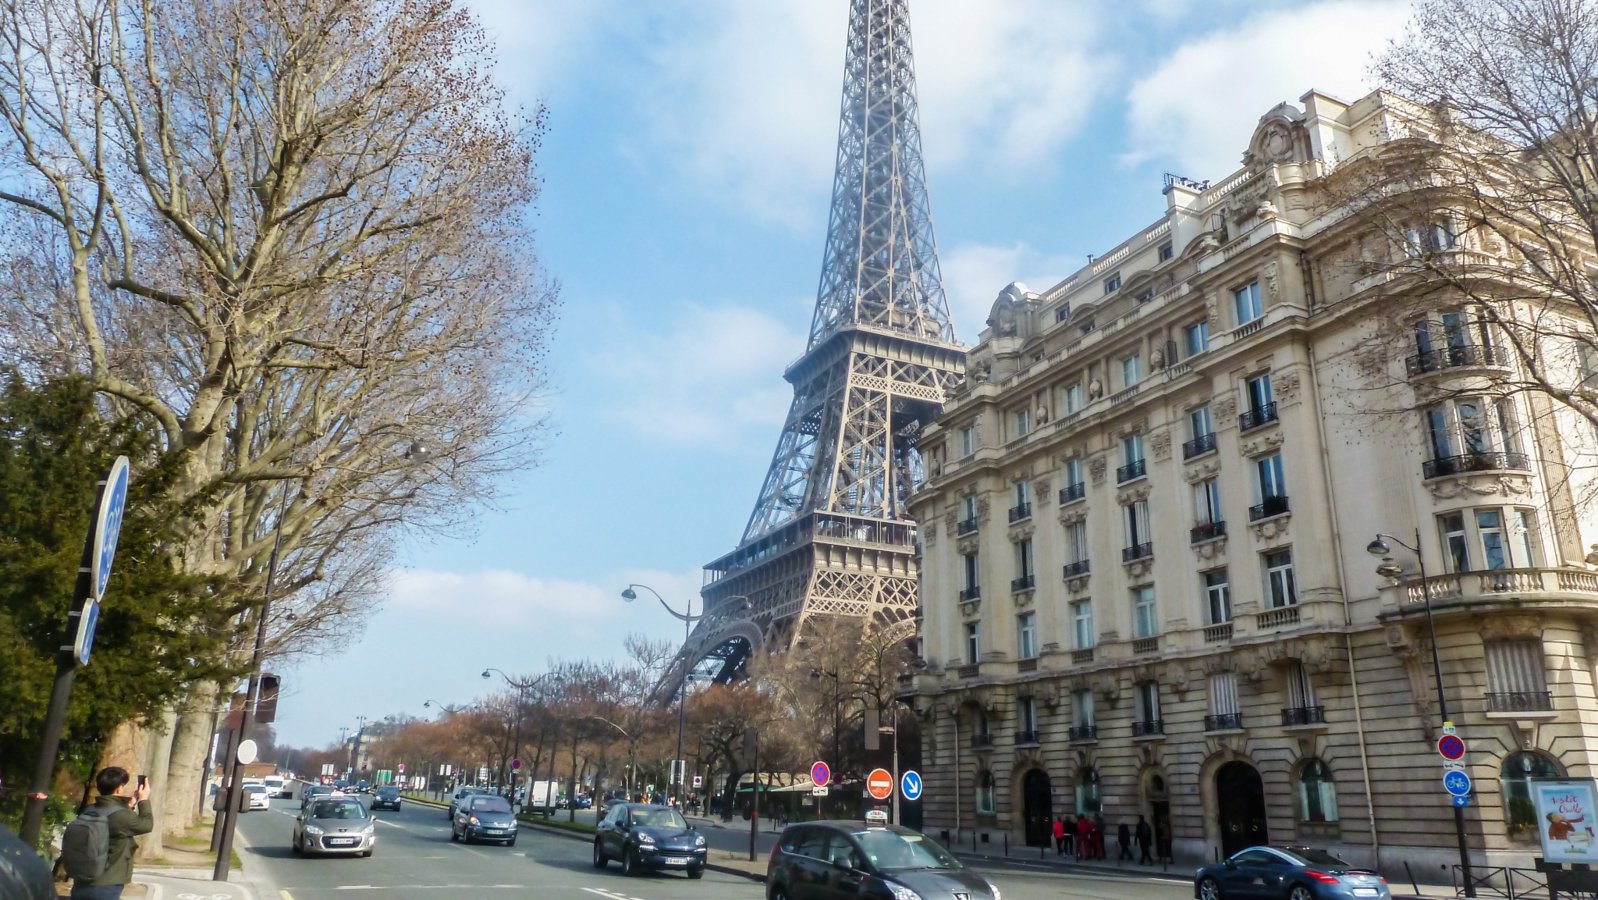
x=1388, y=568
x=522, y=686
x=632, y=746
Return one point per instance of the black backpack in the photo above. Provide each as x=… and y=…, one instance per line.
x=86, y=844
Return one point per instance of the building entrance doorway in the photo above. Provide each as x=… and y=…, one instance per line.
x=1037, y=808
x=1240, y=800
x=1159, y=800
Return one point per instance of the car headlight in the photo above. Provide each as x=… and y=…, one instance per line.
x=900, y=892
x=312, y=829
x=995, y=889
x=369, y=829
x=473, y=821
x=646, y=839
x=699, y=840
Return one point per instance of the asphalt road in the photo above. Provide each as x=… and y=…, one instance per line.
x=416, y=859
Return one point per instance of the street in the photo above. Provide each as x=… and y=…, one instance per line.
x=415, y=858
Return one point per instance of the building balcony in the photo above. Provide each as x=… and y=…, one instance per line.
x=1146, y=645
x=1217, y=633
x=970, y=670
x=1272, y=506
x=1280, y=617
x=1137, y=552
x=1082, y=657
x=1224, y=722
x=1520, y=701
x=1024, y=583
x=1026, y=737
x=1249, y=419
x=1207, y=531
x=1080, y=733
x=1467, y=356
x=1148, y=728
x=981, y=741
x=1027, y=664
x=1204, y=443
x=966, y=526
x=973, y=592
x=1020, y=512
x=1303, y=715
x=1137, y=468
x=1477, y=591
x=1073, y=492
x=1479, y=461
x=1072, y=570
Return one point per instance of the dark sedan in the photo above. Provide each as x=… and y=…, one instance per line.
x=484, y=818
x=387, y=797
x=822, y=860
x=1287, y=873
x=644, y=836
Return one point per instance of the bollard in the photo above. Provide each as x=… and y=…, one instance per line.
x=1007, y=845
x=973, y=842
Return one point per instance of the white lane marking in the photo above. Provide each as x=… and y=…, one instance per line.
x=613, y=895
x=286, y=895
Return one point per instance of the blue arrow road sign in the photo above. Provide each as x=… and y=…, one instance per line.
x=1461, y=800
x=910, y=784
x=1456, y=783
x=107, y=527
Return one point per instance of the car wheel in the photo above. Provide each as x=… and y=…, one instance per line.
x=366, y=854
x=777, y=892
x=453, y=834
x=1300, y=892
x=599, y=855
x=298, y=850
x=696, y=871
x=1210, y=889
x=629, y=863
x=511, y=842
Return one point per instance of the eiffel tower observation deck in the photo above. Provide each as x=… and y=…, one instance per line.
x=829, y=535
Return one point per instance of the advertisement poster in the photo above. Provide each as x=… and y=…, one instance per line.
x=1566, y=810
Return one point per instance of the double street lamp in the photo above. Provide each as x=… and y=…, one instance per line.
x=1391, y=569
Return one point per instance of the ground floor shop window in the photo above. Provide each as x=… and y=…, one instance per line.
x=985, y=793
x=1088, y=801
x=1520, y=815
x=1317, y=796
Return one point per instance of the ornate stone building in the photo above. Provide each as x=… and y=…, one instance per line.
x=1145, y=582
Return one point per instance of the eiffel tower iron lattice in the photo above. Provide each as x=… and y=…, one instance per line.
x=829, y=533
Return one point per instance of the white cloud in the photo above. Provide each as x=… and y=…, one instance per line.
x=973, y=275
x=714, y=374
x=539, y=43
x=1196, y=109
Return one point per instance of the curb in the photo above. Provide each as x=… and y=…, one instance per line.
x=1076, y=867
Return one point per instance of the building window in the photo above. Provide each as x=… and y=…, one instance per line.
x=1526, y=531
x=1261, y=399
x=1023, y=493
x=1021, y=420
x=1113, y=283
x=973, y=643
x=1076, y=546
x=1145, y=623
x=1082, y=709
x=1166, y=251
x=1516, y=677
x=1456, y=551
x=1062, y=313
x=1148, y=701
x=1088, y=800
x=1023, y=563
x=1317, y=796
x=1201, y=424
x=1270, y=483
x=1300, y=689
x=1246, y=302
x=1207, y=502
x=1073, y=475
x=1515, y=776
x=968, y=440
x=1280, y=589
x=973, y=573
x=1490, y=531
x=1196, y=337
x=968, y=506
x=1138, y=528
x=1132, y=464
x=1026, y=630
x=981, y=728
x=1472, y=427
x=1433, y=238
x=1131, y=369
x=1223, y=697
x=1071, y=397
x=1082, y=632
x=1218, y=596
x=985, y=792
x=1027, y=714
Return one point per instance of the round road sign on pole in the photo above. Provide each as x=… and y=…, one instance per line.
x=107, y=527
x=1456, y=782
x=879, y=784
x=910, y=784
x=247, y=751
x=83, y=641
x=820, y=774
x=515, y=764
x=401, y=768
x=1451, y=746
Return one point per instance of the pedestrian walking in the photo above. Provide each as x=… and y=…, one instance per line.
x=1059, y=836
x=1084, y=838
x=1123, y=837
x=1098, y=836
x=127, y=813
x=1145, y=837
x=1162, y=840
x=1069, y=836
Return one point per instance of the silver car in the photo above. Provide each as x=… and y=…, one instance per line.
x=335, y=824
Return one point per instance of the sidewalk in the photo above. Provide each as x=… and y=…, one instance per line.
x=190, y=884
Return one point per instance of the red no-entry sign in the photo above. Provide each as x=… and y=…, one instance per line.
x=879, y=784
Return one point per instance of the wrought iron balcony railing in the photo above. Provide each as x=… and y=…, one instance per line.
x=1456, y=357
x=1223, y=722
x=1263, y=414
x=1207, y=531
x=1024, y=583
x=982, y=740
x=1272, y=506
x=1137, y=551
x=1080, y=567
x=1084, y=732
x=1304, y=715
x=1479, y=461
x=1202, y=444
x=1026, y=737
x=1137, y=468
x=1148, y=728
x=974, y=592
x=1020, y=511
x=966, y=526
x=1073, y=492
x=1520, y=701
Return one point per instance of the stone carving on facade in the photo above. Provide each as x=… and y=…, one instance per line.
x=1589, y=645
x=1262, y=444
x=1041, y=492
x=1074, y=513
x=1022, y=531
x=1226, y=412
x=1023, y=597
x=1273, y=528
x=1415, y=656
x=1076, y=584
x=1197, y=472
x=1096, y=467
x=1479, y=484
x=1133, y=494
x=1212, y=308
x=1160, y=445
x=970, y=608
x=1230, y=745
x=1270, y=275
x=951, y=519
x=968, y=544
x=1316, y=652
x=1509, y=627
x=929, y=533
x=1286, y=386
x=1211, y=549
x=1095, y=389
x=1106, y=687
x=1008, y=308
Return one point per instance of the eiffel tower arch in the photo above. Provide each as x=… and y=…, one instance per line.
x=829, y=534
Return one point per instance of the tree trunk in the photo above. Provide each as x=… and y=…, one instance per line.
x=191, y=747
x=158, y=751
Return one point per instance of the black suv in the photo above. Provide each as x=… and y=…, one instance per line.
x=644, y=836
x=823, y=860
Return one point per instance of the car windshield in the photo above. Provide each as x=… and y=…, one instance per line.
x=1316, y=857
x=657, y=818
x=491, y=804
x=338, y=809
x=891, y=850
x=255, y=788
x=388, y=791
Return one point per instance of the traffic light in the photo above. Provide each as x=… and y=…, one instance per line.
x=266, y=700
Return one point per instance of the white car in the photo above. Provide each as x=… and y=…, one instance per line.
x=256, y=797
x=277, y=786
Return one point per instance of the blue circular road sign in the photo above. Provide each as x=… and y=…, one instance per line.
x=1456, y=782
x=910, y=784
x=107, y=527
x=83, y=641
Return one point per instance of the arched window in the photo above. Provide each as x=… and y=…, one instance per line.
x=1317, y=796
x=1088, y=801
x=985, y=792
x=1519, y=768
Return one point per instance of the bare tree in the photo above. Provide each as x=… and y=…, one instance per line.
x=294, y=235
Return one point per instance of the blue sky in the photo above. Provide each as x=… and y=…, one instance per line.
x=686, y=178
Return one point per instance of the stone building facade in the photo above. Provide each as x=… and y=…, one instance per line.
x=1145, y=581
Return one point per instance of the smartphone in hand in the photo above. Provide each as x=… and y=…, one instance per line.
x=143, y=781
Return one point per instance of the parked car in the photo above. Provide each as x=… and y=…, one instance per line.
x=461, y=793
x=1288, y=873
x=256, y=797
x=386, y=797
x=335, y=824
x=484, y=817
x=646, y=836
x=822, y=860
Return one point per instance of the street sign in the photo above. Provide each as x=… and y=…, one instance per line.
x=1448, y=727
x=1451, y=766
x=879, y=784
x=820, y=791
x=820, y=774
x=1461, y=800
x=247, y=752
x=515, y=764
x=1451, y=746
x=83, y=641
x=699, y=781
x=401, y=768
x=1457, y=783
x=910, y=784
x=107, y=527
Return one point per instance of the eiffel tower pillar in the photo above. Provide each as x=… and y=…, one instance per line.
x=829, y=534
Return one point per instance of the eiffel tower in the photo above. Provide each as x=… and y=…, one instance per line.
x=829, y=534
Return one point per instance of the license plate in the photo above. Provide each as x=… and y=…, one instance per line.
x=1364, y=892
x=493, y=831
x=340, y=842
x=677, y=860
